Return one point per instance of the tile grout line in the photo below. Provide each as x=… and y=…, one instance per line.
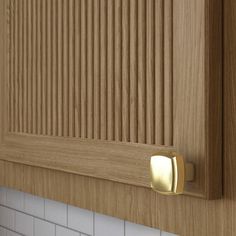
x=93, y=223
x=43, y=218
x=34, y=227
x=44, y=211
x=67, y=221
x=124, y=228
x=8, y=229
x=36, y=217
x=24, y=202
x=14, y=219
x=55, y=224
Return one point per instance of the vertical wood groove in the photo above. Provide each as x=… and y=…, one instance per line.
x=133, y=71
x=168, y=72
x=110, y=70
x=71, y=74
x=159, y=72
x=44, y=67
x=150, y=72
x=90, y=86
x=11, y=67
x=20, y=65
x=118, y=75
x=16, y=67
x=25, y=66
x=59, y=70
x=103, y=72
x=65, y=69
x=77, y=68
x=141, y=71
x=96, y=63
x=54, y=68
x=37, y=70
x=34, y=65
x=29, y=74
x=125, y=71
x=83, y=111
x=48, y=59
x=97, y=69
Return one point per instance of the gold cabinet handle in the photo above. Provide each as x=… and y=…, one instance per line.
x=169, y=173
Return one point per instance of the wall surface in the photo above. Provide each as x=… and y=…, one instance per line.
x=28, y=215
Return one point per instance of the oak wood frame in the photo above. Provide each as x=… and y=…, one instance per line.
x=197, y=120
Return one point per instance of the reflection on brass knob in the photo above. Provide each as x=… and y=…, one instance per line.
x=169, y=173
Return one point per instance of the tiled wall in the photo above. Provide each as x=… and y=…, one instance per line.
x=28, y=215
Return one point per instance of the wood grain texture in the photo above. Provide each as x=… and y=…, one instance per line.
x=3, y=68
x=87, y=69
x=131, y=71
x=121, y=162
x=197, y=89
x=183, y=215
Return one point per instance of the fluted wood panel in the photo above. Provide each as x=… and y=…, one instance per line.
x=98, y=69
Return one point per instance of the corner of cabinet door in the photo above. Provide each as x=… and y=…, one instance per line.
x=197, y=89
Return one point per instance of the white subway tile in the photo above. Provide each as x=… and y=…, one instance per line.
x=140, y=230
x=3, y=195
x=61, y=231
x=10, y=233
x=3, y=232
x=43, y=228
x=56, y=212
x=7, y=217
x=24, y=224
x=80, y=219
x=34, y=205
x=15, y=199
x=167, y=234
x=107, y=226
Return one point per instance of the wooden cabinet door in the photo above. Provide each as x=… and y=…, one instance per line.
x=95, y=87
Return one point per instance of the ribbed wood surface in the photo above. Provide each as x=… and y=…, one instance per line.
x=98, y=69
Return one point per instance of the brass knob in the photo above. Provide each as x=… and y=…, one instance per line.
x=169, y=173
